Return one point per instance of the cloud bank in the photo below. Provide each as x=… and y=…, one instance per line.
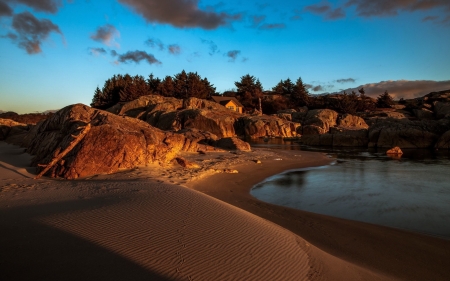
x=180, y=13
x=403, y=88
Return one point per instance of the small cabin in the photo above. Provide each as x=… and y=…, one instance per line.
x=229, y=102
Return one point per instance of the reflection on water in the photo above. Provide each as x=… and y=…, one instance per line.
x=410, y=193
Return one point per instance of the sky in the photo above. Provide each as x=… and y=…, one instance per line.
x=54, y=53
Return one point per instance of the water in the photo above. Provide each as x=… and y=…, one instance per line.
x=411, y=193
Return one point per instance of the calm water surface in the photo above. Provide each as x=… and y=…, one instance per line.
x=411, y=193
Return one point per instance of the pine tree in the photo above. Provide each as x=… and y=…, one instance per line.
x=300, y=95
x=385, y=100
x=153, y=84
x=249, y=91
x=285, y=88
x=97, y=100
x=167, y=88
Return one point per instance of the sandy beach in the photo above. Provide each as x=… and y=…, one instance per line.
x=171, y=223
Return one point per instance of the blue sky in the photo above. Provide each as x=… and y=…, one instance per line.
x=55, y=53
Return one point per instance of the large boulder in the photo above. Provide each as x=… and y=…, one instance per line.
x=444, y=141
x=113, y=143
x=351, y=122
x=233, y=144
x=266, y=126
x=220, y=123
x=319, y=121
x=442, y=109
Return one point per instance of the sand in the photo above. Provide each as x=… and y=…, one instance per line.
x=170, y=223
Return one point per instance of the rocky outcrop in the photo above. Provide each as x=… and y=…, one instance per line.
x=6, y=125
x=113, y=143
x=140, y=106
x=319, y=121
x=171, y=114
x=406, y=134
x=266, y=126
x=423, y=114
x=13, y=132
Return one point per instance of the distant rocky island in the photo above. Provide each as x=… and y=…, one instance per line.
x=155, y=129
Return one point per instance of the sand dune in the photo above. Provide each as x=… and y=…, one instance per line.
x=138, y=225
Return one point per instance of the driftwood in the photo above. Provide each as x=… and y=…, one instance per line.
x=59, y=156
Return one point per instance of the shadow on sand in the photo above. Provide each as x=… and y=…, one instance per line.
x=33, y=251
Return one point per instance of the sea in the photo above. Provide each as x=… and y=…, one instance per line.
x=411, y=192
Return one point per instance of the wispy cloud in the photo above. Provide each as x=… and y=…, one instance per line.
x=180, y=13
x=318, y=88
x=370, y=8
x=174, y=49
x=155, y=43
x=97, y=51
x=106, y=34
x=213, y=48
x=31, y=32
x=257, y=20
x=137, y=57
x=272, y=26
x=49, y=6
x=430, y=18
x=326, y=10
x=233, y=55
x=346, y=80
x=297, y=15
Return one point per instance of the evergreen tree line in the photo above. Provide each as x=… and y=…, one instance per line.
x=123, y=88
x=249, y=91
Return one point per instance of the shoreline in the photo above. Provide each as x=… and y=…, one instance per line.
x=214, y=216
x=392, y=252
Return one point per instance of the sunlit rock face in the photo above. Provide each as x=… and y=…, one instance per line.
x=114, y=142
x=172, y=114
